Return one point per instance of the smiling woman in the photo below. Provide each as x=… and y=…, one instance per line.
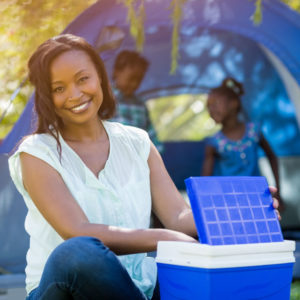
x=91, y=183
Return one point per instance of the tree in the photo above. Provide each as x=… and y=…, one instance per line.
x=25, y=24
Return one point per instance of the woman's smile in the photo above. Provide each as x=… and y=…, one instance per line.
x=82, y=107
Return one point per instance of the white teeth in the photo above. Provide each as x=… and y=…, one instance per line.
x=80, y=107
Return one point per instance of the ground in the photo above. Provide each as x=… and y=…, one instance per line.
x=13, y=294
x=295, y=290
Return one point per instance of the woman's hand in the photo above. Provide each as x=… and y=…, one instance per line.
x=276, y=205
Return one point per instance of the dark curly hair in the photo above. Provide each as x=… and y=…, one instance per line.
x=39, y=75
x=230, y=88
x=128, y=58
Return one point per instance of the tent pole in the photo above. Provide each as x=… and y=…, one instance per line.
x=12, y=98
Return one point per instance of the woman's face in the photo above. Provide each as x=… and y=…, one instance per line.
x=76, y=87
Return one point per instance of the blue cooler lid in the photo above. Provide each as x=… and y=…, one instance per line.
x=233, y=210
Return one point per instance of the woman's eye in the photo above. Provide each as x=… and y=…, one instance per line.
x=58, y=89
x=83, y=79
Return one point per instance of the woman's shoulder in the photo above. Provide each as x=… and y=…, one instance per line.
x=36, y=141
x=37, y=138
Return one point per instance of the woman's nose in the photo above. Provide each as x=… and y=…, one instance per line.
x=74, y=92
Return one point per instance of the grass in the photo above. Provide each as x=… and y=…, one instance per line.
x=295, y=290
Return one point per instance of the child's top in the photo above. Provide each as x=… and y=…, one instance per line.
x=236, y=158
x=133, y=111
x=119, y=196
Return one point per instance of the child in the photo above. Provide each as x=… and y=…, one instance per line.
x=128, y=73
x=233, y=150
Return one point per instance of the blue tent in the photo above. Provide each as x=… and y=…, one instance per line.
x=217, y=39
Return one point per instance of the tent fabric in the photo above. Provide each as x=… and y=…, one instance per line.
x=14, y=240
x=217, y=39
x=24, y=126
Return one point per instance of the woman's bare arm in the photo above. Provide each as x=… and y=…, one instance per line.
x=168, y=204
x=55, y=202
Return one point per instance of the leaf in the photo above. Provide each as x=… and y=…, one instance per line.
x=136, y=21
x=257, y=16
x=176, y=7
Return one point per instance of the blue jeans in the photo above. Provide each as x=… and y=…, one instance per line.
x=82, y=268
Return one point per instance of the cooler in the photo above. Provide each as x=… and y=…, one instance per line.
x=242, y=254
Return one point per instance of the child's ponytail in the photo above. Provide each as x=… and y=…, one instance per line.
x=233, y=85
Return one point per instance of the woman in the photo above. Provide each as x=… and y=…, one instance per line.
x=90, y=185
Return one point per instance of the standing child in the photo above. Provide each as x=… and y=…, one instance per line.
x=233, y=151
x=128, y=73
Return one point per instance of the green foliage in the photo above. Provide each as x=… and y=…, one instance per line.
x=181, y=117
x=176, y=7
x=294, y=4
x=295, y=291
x=25, y=24
x=257, y=16
x=136, y=21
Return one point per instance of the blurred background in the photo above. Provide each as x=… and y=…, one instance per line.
x=254, y=41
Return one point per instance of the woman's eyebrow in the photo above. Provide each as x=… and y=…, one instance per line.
x=80, y=71
x=56, y=82
x=76, y=74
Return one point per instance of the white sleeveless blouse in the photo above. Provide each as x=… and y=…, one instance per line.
x=120, y=196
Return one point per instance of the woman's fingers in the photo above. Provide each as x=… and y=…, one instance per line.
x=275, y=203
x=273, y=191
x=278, y=214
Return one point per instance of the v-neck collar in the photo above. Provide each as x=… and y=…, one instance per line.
x=90, y=177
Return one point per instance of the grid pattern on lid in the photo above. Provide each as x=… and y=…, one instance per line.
x=233, y=210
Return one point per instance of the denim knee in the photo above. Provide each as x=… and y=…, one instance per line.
x=80, y=255
x=85, y=267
